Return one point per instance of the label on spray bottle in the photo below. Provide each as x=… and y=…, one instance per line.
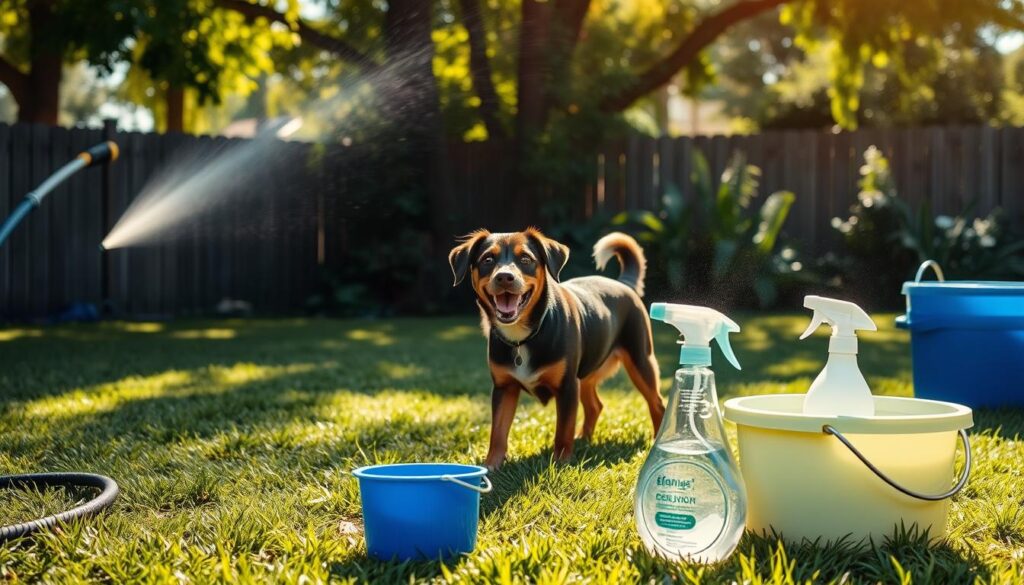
x=684, y=507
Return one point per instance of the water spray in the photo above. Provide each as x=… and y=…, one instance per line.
x=196, y=181
x=99, y=154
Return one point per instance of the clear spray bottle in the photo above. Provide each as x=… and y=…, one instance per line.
x=690, y=500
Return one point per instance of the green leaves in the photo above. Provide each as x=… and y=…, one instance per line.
x=888, y=238
x=701, y=178
x=772, y=215
x=672, y=204
x=852, y=63
x=192, y=44
x=715, y=241
x=882, y=32
x=91, y=30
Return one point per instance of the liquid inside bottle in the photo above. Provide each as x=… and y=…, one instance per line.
x=690, y=501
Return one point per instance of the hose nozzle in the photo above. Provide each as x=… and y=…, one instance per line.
x=100, y=153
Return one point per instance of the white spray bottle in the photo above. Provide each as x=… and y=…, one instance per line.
x=840, y=388
x=690, y=500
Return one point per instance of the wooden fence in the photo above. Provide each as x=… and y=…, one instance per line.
x=951, y=167
x=948, y=166
x=264, y=252
x=269, y=250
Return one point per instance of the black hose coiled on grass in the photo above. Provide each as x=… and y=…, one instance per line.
x=108, y=494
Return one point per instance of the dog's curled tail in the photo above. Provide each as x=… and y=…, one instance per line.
x=632, y=263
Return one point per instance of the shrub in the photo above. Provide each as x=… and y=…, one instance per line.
x=886, y=239
x=716, y=246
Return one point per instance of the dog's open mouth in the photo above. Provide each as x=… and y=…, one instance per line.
x=508, y=305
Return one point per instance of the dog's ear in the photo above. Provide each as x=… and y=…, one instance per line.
x=460, y=255
x=556, y=254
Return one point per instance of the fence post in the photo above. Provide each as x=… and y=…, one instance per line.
x=107, y=194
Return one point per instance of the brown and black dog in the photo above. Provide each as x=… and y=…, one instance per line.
x=557, y=339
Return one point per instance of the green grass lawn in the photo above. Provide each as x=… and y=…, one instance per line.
x=232, y=442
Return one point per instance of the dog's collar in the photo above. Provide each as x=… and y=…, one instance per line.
x=517, y=344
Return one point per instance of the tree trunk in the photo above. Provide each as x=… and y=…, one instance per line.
x=480, y=69
x=175, y=120
x=411, y=103
x=531, y=113
x=412, y=100
x=563, y=36
x=532, y=74
x=16, y=82
x=42, y=103
x=42, y=85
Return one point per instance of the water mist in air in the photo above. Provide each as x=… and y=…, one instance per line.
x=199, y=180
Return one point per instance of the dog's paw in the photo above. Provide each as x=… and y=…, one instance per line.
x=562, y=456
x=562, y=462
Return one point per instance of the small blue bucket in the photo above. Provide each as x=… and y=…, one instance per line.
x=421, y=510
x=966, y=340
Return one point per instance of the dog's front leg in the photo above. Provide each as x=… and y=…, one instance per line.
x=503, y=410
x=567, y=403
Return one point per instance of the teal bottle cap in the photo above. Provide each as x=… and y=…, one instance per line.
x=658, y=311
x=695, y=356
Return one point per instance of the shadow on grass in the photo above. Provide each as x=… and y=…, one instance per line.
x=448, y=354
x=194, y=413
x=907, y=551
x=1005, y=422
x=758, y=557
x=517, y=476
x=45, y=361
x=366, y=569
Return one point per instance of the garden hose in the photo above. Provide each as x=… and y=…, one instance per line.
x=98, y=154
x=108, y=493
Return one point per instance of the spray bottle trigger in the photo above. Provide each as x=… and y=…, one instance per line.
x=816, y=322
x=722, y=337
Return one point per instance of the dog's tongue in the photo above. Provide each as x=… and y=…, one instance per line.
x=507, y=302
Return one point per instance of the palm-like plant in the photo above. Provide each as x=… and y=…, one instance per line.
x=715, y=243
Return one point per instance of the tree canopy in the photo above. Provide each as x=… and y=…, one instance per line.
x=501, y=69
x=766, y=81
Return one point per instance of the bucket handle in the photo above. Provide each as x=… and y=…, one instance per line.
x=830, y=430
x=935, y=268
x=483, y=490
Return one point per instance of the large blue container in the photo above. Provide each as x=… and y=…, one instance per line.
x=421, y=510
x=966, y=341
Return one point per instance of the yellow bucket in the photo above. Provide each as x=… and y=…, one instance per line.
x=810, y=476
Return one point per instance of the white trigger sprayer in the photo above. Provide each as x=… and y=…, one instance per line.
x=840, y=388
x=698, y=326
